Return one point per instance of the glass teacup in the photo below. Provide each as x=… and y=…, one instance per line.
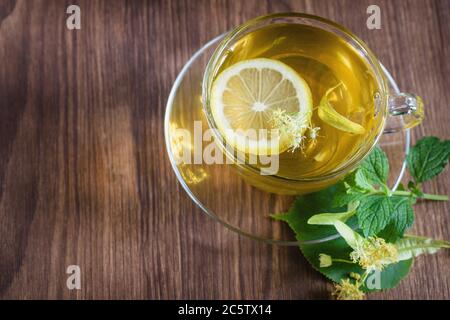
x=325, y=53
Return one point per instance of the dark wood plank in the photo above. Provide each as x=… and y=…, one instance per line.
x=84, y=176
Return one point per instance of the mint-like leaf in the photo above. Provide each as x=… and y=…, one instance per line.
x=357, y=181
x=374, y=213
x=415, y=189
x=343, y=198
x=376, y=167
x=389, y=233
x=428, y=158
x=403, y=215
x=402, y=218
x=401, y=187
x=354, y=187
x=362, y=182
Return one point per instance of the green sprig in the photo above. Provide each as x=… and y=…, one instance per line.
x=363, y=203
x=381, y=207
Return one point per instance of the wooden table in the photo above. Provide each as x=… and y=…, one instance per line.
x=84, y=175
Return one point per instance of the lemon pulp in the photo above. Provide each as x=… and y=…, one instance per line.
x=245, y=96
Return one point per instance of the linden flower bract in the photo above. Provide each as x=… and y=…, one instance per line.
x=374, y=254
x=294, y=126
x=347, y=291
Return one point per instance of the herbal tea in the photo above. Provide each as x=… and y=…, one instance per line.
x=305, y=82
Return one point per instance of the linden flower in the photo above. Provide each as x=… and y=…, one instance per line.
x=374, y=254
x=347, y=291
x=325, y=260
x=355, y=276
x=294, y=126
x=313, y=133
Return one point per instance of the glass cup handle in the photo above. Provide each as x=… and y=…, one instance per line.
x=405, y=112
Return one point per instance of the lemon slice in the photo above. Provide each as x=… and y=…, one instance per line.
x=329, y=115
x=244, y=98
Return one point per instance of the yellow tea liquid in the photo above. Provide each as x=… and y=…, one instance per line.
x=324, y=60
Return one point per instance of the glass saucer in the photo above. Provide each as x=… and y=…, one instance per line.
x=217, y=188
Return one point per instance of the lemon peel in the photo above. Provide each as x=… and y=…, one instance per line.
x=330, y=116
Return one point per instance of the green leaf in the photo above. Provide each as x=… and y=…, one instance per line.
x=362, y=182
x=308, y=205
x=337, y=249
x=374, y=213
x=358, y=182
x=345, y=195
x=415, y=189
x=343, y=199
x=428, y=158
x=376, y=167
x=391, y=275
x=402, y=218
x=389, y=233
x=403, y=215
x=412, y=246
x=317, y=239
x=401, y=187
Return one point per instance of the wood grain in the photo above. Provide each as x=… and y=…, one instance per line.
x=84, y=176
